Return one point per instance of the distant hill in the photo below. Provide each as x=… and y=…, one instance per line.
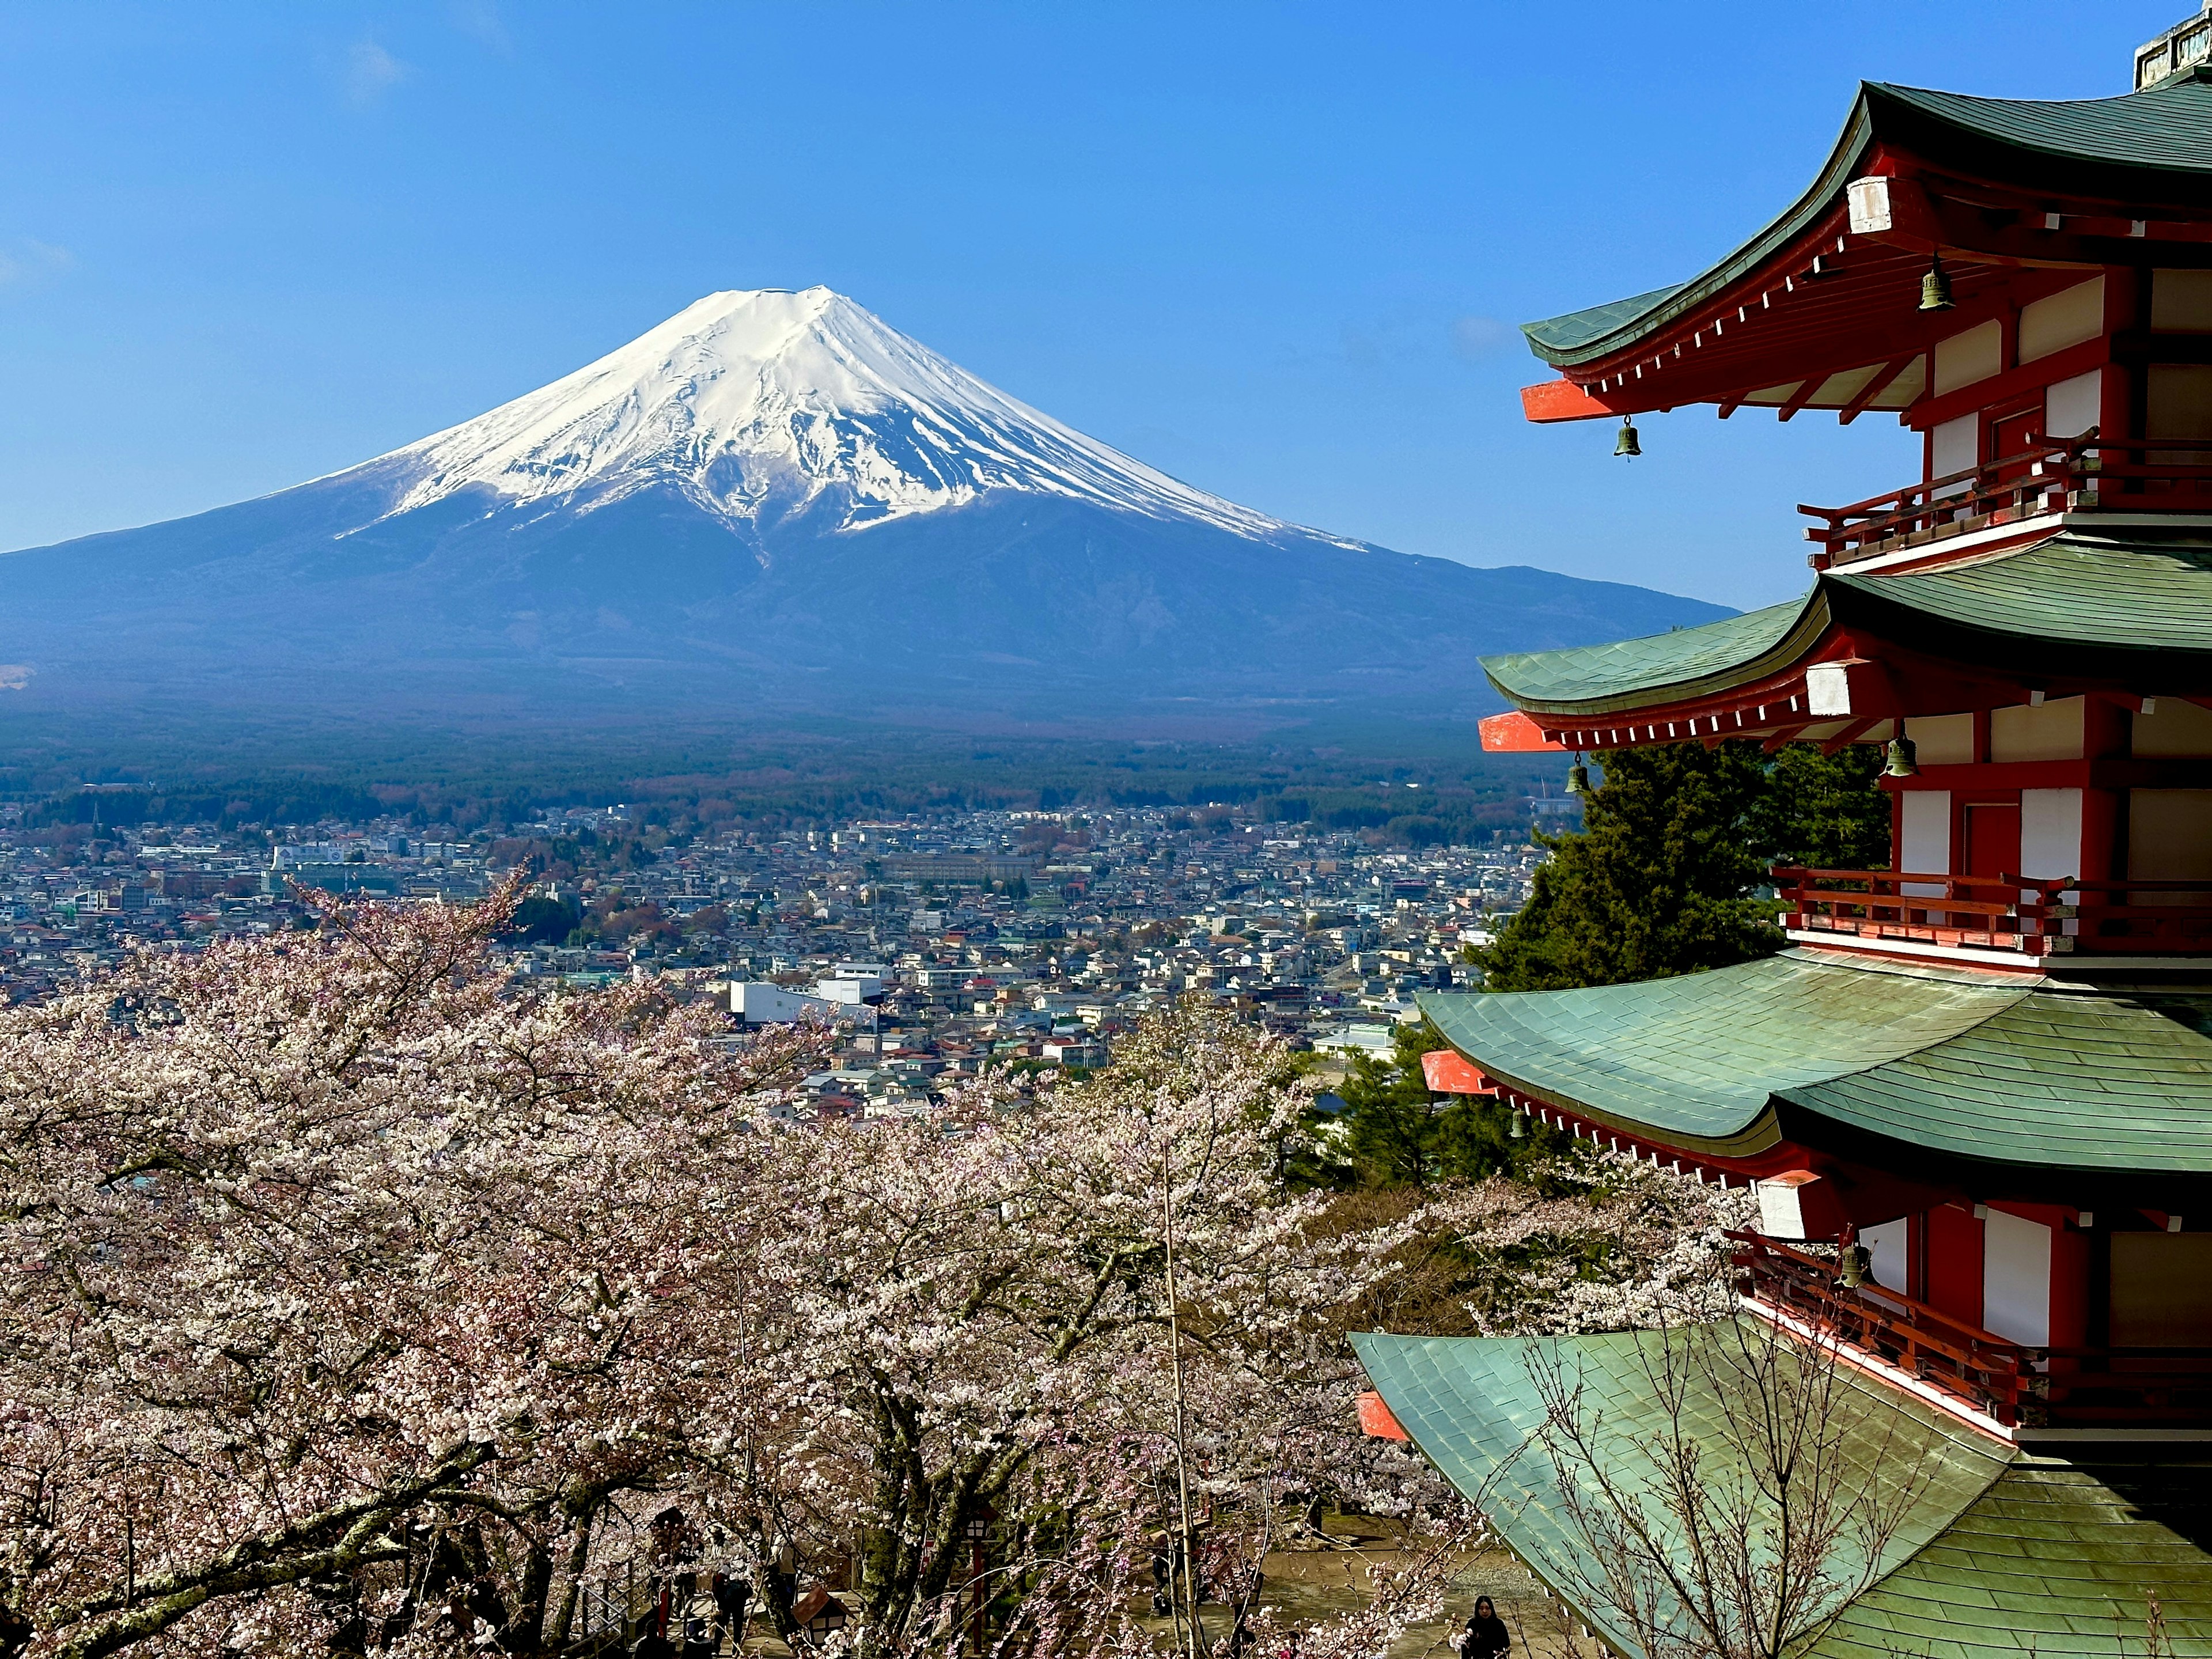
x=772, y=503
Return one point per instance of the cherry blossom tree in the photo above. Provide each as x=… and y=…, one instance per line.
x=969, y=1325
x=334, y=1268
x=359, y=1301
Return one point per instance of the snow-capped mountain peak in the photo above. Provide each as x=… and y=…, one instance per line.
x=767, y=400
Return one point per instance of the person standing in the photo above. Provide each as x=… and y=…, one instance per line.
x=731, y=1595
x=1487, y=1635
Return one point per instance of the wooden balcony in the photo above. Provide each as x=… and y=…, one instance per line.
x=2012, y=1383
x=2007, y=913
x=1968, y=913
x=2080, y=475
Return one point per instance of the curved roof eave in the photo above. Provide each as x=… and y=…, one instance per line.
x=1624, y=675
x=2152, y=147
x=1704, y=1056
x=2135, y=609
x=1958, y=1064
x=1586, y=336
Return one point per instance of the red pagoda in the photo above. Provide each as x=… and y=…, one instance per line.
x=1974, y=1092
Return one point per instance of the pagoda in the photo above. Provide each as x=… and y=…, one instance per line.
x=1974, y=1092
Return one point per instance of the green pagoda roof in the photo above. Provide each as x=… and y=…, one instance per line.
x=1623, y=673
x=1955, y=1063
x=2152, y=146
x=2138, y=608
x=2000, y=1554
x=2113, y=593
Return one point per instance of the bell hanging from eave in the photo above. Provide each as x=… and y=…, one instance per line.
x=1513, y=1129
x=1935, y=287
x=1854, y=1265
x=1578, y=778
x=1903, y=760
x=1626, y=444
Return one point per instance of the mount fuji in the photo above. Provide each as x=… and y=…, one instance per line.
x=773, y=497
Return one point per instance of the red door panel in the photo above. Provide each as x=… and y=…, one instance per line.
x=1954, y=1263
x=2009, y=437
x=1993, y=840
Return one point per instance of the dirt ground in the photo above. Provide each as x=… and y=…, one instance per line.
x=1309, y=1585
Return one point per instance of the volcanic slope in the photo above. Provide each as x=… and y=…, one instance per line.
x=775, y=496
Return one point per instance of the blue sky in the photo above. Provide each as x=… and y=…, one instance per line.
x=1277, y=249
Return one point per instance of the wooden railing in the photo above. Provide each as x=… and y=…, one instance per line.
x=1977, y=1368
x=1987, y=913
x=2087, y=474
x=2152, y=918
x=2016, y=1384
x=1999, y=913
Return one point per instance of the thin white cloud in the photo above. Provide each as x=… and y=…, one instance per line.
x=481, y=21
x=24, y=261
x=370, y=72
x=1478, y=336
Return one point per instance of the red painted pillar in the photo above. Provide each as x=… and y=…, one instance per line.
x=2127, y=307
x=2106, y=734
x=2069, y=1289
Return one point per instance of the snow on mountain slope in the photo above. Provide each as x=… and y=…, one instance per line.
x=756, y=402
x=772, y=501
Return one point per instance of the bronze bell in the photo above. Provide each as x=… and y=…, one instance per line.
x=1854, y=1265
x=1936, y=288
x=1903, y=762
x=1513, y=1129
x=1626, y=444
x=1578, y=778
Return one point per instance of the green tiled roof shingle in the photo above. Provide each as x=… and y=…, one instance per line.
x=2145, y=596
x=2001, y=1554
x=1969, y=1065
x=1582, y=676
x=2129, y=595
x=2153, y=146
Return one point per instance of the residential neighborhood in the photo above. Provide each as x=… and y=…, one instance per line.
x=946, y=946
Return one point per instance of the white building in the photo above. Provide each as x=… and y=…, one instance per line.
x=763, y=1002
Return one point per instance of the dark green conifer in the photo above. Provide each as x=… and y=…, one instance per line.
x=1398, y=1134
x=1659, y=881
x=1824, y=812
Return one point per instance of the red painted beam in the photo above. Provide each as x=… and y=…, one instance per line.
x=1562, y=400
x=1377, y=1421
x=1874, y=388
x=1448, y=1074
x=1516, y=734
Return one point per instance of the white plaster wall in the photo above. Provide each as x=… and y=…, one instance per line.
x=2016, y=1278
x=1943, y=739
x=1965, y=358
x=2181, y=302
x=2061, y=319
x=1924, y=845
x=2050, y=832
x=2038, y=732
x=1886, y=1244
x=1953, y=447
x=2177, y=404
x=2071, y=407
x=2170, y=839
x=2172, y=728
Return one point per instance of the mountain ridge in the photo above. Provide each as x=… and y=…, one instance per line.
x=774, y=499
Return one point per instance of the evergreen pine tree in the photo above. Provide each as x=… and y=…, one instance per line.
x=1397, y=1134
x=1824, y=812
x=1658, y=881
